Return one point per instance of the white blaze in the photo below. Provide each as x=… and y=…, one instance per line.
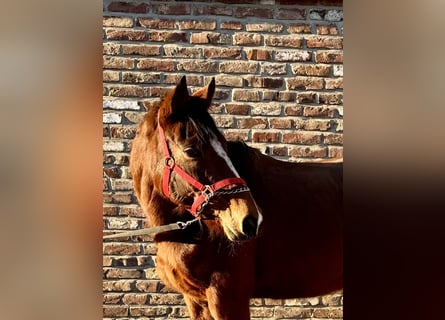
x=217, y=146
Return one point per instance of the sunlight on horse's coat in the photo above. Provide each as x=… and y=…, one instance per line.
x=239, y=248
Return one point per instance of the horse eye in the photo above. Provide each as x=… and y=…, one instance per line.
x=192, y=152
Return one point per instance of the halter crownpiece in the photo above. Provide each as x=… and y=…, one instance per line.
x=207, y=192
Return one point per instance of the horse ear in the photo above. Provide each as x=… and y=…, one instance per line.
x=206, y=93
x=180, y=95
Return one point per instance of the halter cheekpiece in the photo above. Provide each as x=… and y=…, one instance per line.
x=206, y=191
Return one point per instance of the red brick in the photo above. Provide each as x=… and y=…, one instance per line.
x=258, y=54
x=333, y=138
x=182, y=52
x=280, y=151
x=293, y=111
x=123, y=132
x=110, y=211
x=267, y=109
x=198, y=66
x=141, y=49
x=291, y=14
x=153, y=312
x=114, y=273
x=313, y=124
x=112, y=298
x=327, y=30
x=280, y=123
x=229, y=80
x=245, y=95
x=151, y=23
x=172, y=9
x=329, y=56
x=174, y=79
x=197, y=25
x=272, y=69
x=222, y=53
x=225, y=122
x=156, y=65
x=324, y=42
x=302, y=138
x=238, y=67
x=110, y=76
x=305, y=83
x=284, y=41
x=264, y=27
x=131, y=211
x=266, y=137
x=293, y=55
x=117, y=285
x=221, y=95
x=335, y=152
x=278, y=96
x=247, y=39
x=331, y=98
x=262, y=82
x=242, y=12
x=329, y=312
x=111, y=48
x=307, y=152
x=236, y=135
x=128, y=7
x=169, y=299
x=118, y=63
x=319, y=111
x=213, y=10
x=293, y=312
x=133, y=298
x=140, y=77
x=168, y=36
x=146, y=285
x=114, y=311
x=127, y=91
x=123, y=22
x=307, y=97
x=231, y=25
x=252, y=123
x=338, y=123
x=131, y=35
x=332, y=84
x=121, y=249
x=158, y=91
x=209, y=37
x=238, y=109
x=318, y=70
x=300, y=28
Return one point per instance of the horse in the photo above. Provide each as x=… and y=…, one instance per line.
x=256, y=227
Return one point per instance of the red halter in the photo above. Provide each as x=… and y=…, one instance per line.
x=207, y=191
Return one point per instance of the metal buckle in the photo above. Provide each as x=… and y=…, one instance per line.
x=208, y=193
x=170, y=162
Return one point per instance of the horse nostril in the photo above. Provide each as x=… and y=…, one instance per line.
x=250, y=226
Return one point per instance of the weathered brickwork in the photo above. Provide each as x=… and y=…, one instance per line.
x=278, y=67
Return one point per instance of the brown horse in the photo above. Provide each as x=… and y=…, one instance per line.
x=258, y=227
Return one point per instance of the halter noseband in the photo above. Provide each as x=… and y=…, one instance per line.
x=206, y=191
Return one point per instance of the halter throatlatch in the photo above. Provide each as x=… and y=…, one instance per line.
x=206, y=191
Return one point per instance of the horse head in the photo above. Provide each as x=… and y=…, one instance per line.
x=189, y=165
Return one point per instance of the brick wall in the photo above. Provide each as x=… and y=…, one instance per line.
x=279, y=73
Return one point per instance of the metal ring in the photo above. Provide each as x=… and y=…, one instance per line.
x=170, y=162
